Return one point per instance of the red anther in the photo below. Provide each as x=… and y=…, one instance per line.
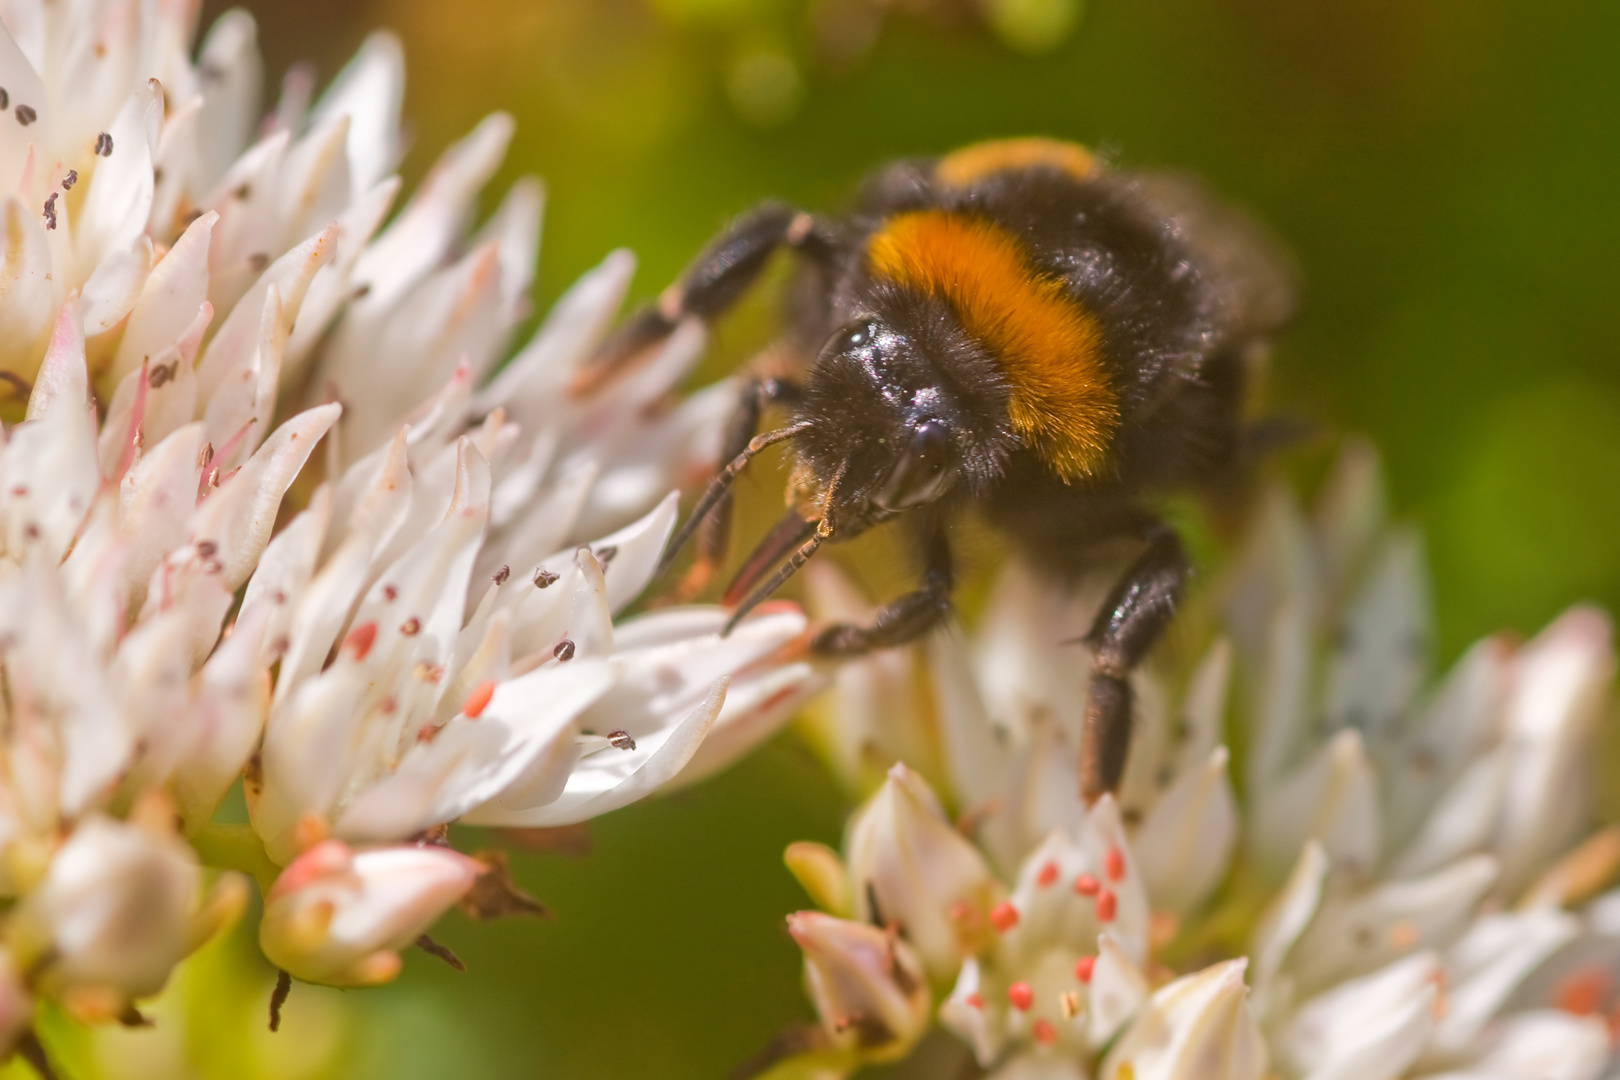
x=360, y=640
x=1048, y=874
x=1043, y=1031
x=1022, y=996
x=974, y=1000
x=1083, y=968
x=1086, y=885
x=1107, y=905
x=1114, y=864
x=1004, y=916
x=478, y=700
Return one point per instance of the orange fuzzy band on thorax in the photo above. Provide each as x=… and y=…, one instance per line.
x=1004, y=155
x=1049, y=346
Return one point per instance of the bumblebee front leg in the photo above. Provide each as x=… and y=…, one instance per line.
x=905, y=618
x=712, y=517
x=717, y=280
x=1131, y=620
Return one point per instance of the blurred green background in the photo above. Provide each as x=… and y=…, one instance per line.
x=1446, y=172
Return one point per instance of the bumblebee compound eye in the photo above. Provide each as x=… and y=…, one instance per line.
x=923, y=472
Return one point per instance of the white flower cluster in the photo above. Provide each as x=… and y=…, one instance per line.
x=191, y=301
x=1382, y=901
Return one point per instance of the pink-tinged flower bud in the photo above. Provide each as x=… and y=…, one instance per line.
x=121, y=904
x=340, y=917
x=922, y=875
x=867, y=985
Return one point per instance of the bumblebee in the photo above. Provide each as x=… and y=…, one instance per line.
x=1012, y=328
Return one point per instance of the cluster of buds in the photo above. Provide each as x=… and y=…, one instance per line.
x=1407, y=886
x=270, y=516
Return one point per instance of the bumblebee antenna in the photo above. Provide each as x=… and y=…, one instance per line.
x=720, y=485
x=785, y=571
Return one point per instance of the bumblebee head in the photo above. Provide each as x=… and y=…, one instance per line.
x=877, y=432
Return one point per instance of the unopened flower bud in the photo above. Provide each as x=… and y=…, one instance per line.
x=340, y=917
x=121, y=905
x=923, y=876
x=867, y=984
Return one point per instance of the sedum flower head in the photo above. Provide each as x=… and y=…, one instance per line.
x=1379, y=885
x=269, y=513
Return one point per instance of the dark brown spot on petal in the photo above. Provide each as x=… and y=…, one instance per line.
x=25, y=114
x=564, y=650
x=544, y=579
x=502, y=574
x=621, y=739
x=103, y=144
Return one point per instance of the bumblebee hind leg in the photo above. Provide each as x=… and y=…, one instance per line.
x=1130, y=622
x=721, y=275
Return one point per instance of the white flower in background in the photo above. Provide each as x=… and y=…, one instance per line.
x=197, y=308
x=1401, y=862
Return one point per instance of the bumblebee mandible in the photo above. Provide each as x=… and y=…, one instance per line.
x=1012, y=327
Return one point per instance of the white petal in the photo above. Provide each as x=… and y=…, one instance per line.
x=1540, y=1045
x=1359, y=932
x=1372, y=1026
x=575, y=324
x=1488, y=964
x=1118, y=989
x=417, y=240
x=1466, y=819
x=156, y=498
x=471, y=762
x=27, y=294
x=114, y=285
x=232, y=349
x=1197, y=1027
x=238, y=517
x=232, y=74
x=119, y=200
x=1560, y=686
x=601, y=783
x=1381, y=643
x=368, y=92
x=1332, y=798
x=1185, y=845
x=1285, y=919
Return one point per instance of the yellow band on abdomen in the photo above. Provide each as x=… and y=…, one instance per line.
x=1050, y=347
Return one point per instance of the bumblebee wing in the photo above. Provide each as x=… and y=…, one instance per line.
x=1251, y=276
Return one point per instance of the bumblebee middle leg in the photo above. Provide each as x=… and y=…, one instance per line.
x=905, y=618
x=724, y=271
x=1131, y=620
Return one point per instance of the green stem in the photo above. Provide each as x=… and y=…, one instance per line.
x=236, y=847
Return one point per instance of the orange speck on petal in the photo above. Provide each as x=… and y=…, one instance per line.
x=1048, y=874
x=478, y=700
x=1044, y=1032
x=1021, y=995
x=974, y=1000
x=360, y=640
x=1114, y=864
x=1581, y=992
x=1083, y=968
x=1086, y=885
x=1004, y=916
x=1107, y=905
